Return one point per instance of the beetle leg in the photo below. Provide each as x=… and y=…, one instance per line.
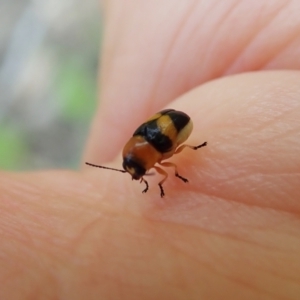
x=162, y=172
x=180, y=148
x=147, y=186
x=169, y=164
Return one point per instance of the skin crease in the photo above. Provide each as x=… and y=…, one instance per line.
x=233, y=231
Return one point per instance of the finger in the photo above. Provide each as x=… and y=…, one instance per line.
x=155, y=51
x=241, y=206
x=241, y=209
x=251, y=125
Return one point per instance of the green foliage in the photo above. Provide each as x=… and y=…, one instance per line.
x=13, y=149
x=77, y=91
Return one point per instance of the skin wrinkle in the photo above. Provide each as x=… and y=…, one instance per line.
x=268, y=271
x=238, y=236
x=186, y=254
x=265, y=124
x=196, y=74
x=86, y=258
x=11, y=229
x=287, y=173
x=40, y=287
x=89, y=230
x=276, y=136
x=270, y=232
x=229, y=236
x=261, y=129
x=250, y=163
x=244, y=176
x=84, y=233
x=237, y=175
x=194, y=260
x=135, y=241
x=174, y=218
x=193, y=32
x=237, y=58
x=30, y=274
x=284, y=57
x=168, y=51
x=12, y=275
x=28, y=237
x=252, y=205
x=284, y=42
x=211, y=46
x=281, y=208
x=280, y=50
x=240, y=176
x=94, y=183
x=271, y=51
x=18, y=188
x=272, y=183
x=252, y=287
x=188, y=227
x=216, y=259
x=57, y=254
x=290, y=283
x=48, y=236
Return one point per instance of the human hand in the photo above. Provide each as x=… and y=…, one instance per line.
x=233, y=231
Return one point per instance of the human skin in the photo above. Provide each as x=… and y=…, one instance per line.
x=233, y=231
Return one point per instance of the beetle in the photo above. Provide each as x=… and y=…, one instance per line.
x=159, y=138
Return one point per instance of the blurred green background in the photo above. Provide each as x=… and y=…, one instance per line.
x=48, y=70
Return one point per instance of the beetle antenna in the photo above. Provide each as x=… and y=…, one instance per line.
x=102, y=167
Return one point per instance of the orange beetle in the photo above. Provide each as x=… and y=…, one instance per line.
x=157, y=139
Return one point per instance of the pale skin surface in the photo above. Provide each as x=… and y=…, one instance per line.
x=233, y=231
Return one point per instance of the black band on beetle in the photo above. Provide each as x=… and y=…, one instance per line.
x=179, y=119
x=151, y=133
